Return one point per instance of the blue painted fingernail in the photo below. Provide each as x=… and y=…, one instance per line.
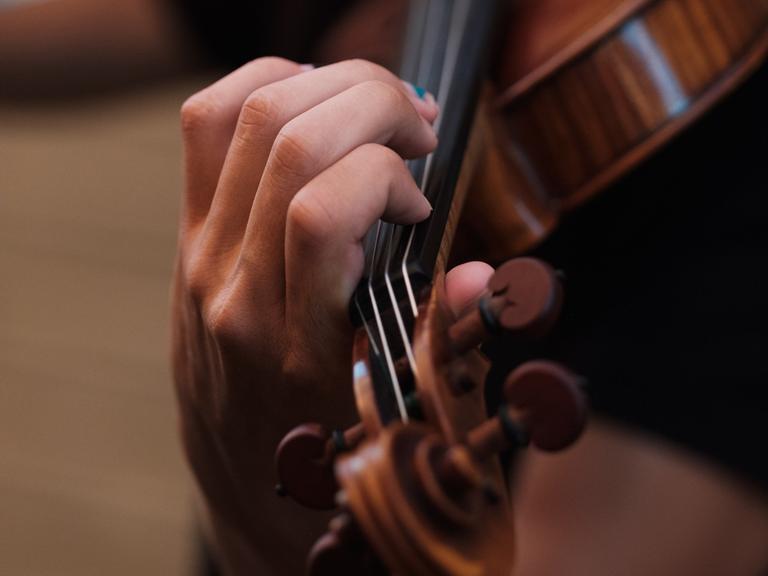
x=420, y=92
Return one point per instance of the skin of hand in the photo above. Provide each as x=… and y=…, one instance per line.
x=286, y=169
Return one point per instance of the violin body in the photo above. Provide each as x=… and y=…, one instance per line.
x=578, y=101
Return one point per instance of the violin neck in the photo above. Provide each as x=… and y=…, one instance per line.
x=446, y=50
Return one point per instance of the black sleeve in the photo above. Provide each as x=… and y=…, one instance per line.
x=231, y=32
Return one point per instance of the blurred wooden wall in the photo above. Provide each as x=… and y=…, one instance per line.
x=91, y=478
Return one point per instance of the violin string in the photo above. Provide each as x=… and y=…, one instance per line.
x=382, y=333
x=404, y=337
x=398, y=316
x=365, y=322
x=446, y=76
x=367, y=327
x=441, y=94
x=423, y=11
x=434, y=13
x=414, y=35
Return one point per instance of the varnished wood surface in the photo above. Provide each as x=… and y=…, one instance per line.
x=597, y=106
x=545, y=34
x=91, y=477
x=601, y=113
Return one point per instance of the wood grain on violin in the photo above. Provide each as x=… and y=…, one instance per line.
x=584, y=98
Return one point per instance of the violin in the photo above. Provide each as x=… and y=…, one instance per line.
x=574, y=95
x=580, y=100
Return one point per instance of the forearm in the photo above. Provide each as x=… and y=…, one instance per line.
x=68, y=46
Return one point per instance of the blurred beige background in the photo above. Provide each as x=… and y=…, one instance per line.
x=91, y=477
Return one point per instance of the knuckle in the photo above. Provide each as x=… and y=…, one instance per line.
x=378, y=92
x=291, y=153
x=229, y=321
x=308, y=218
x=197, y=112
x=224, y=324
x=196, y=277
x=273, y=64
x=383, y=158
x=240, y=323
x=367, y=69
x=259, y=110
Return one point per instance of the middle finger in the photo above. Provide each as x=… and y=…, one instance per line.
x=264, y=114
x=371, y=112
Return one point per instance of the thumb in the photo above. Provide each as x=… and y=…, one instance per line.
x=465, y=283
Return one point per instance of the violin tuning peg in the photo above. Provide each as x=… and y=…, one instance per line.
x=524, y=298
x=305, y=467
x=530, y=295
x=497, y=435
x=549, y=402
x=343, y=550
x=545, y=407
x=304, y=460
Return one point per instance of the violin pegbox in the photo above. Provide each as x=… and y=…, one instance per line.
x=430, y=496
x=427, y=495
x=545, y=402
x=523, y=298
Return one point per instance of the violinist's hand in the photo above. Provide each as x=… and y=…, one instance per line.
x=286, y=169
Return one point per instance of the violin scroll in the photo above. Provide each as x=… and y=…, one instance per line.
x=427, y=496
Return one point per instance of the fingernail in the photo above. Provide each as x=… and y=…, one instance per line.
x=427, y=205
x=307, y=67
x=420, y=92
